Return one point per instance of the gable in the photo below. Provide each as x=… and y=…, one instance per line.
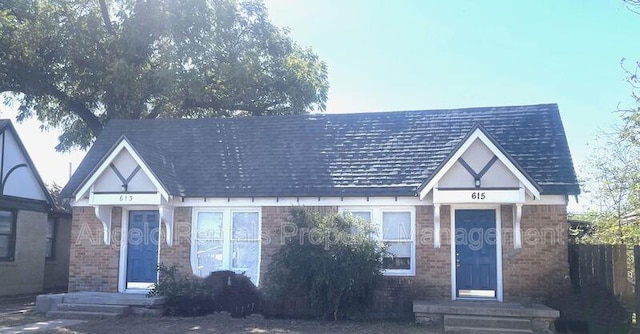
x=123, y=172
x=478, y=156
x=122, y=177
x=19, y=177
x=479, y=163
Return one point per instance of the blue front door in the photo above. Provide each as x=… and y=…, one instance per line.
x=142, y=248
x=476, y=270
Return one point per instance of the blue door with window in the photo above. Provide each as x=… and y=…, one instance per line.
x=142, y=248
x=476, y=269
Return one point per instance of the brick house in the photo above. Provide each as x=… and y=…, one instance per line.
x=471, y=202
x=34, y=236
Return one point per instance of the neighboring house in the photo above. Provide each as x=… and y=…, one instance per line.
x=34, y=237
x=216, y=194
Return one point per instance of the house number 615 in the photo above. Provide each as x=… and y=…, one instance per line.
x=126, y=198
x=477, y=195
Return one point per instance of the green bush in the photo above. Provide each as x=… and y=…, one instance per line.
x=187, y=297
x=332, y=259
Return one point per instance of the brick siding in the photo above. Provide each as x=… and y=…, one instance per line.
x=536, y=272
x=93, y=266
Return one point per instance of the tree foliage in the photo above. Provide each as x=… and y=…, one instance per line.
x=77, y=64
x=333, y=260
x=613, y=182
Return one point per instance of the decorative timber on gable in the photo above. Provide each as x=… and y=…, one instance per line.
x=479, y=163
x=123, y=178
x=20, y=184
x=479, y=171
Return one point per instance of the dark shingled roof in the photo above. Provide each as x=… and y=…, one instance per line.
x=363, y=154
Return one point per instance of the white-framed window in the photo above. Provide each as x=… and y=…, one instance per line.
x=395, y=227
x=226, y=239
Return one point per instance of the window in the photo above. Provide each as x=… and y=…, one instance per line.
x=226, y=239
x=396, y=235
x=396, y=229
x=7, y=235
x=52, y=224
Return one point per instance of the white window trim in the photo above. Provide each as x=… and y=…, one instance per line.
x=376, y=218
x=227, y=225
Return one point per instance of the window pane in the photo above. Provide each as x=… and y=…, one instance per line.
x=396, y=225
x=245, y=226
x=6, y=222
x=4, y=245
x=245, y=257
x=364, y=215
x=49, y=252
x=51, y=225
x=209, y=256
x=209, y=226
x=399, y=256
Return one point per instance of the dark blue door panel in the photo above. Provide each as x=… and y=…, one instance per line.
x=475, y=237
x=142, y=246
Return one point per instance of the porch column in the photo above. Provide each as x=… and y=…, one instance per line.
x=436, y=225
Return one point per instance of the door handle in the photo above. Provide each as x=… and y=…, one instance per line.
x=457, y=260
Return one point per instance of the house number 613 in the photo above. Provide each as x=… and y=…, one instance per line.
x=477, y=195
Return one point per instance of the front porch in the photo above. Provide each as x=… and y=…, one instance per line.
x=485, y=316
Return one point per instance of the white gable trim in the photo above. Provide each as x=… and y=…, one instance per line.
x=123, y=145
x=479, y=134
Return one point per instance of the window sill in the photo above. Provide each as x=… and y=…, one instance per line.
x=398, y=273
x=8, y=264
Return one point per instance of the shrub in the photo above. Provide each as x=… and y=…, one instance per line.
x=332, y=259
x=194, y=296
x=234, y=293
x=185, y=296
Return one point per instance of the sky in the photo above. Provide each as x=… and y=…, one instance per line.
x=406, y=55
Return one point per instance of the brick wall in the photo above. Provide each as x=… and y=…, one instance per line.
x=179, y=254
x=539, y=271
x=93, y=266
x=536, y=272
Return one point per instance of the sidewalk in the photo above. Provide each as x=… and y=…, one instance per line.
x=40, y=326
x=17, y=315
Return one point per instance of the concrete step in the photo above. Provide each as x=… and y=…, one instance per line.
x=113, y=309
x=102, y=298
x=80, y=315
x=474, y=330
x=469, y=321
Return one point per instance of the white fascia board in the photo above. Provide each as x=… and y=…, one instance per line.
x=123, y=145
x=478, y=134
x=313, y=201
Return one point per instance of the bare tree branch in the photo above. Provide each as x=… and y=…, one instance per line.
x=89, y=118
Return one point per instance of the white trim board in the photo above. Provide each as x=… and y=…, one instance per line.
x=323, y=201
x=499, y=273
x=124, y=233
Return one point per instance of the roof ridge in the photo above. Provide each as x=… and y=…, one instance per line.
x=509, y=108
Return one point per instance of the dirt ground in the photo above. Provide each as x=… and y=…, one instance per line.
x=16, y=311
x=223, y=323
x=21, y=310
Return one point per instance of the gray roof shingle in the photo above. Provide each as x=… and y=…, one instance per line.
x=364, y=154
